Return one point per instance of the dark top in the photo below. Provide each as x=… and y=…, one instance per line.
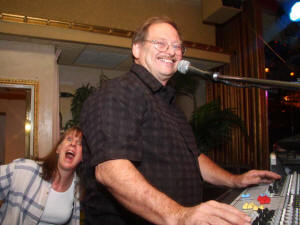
x=134, y=117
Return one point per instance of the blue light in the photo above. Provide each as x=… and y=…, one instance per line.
x=295, y=12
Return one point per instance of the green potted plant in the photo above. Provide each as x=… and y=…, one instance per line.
x=211, y=124
x=79, y=97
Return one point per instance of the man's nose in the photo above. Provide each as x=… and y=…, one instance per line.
x=171, y=49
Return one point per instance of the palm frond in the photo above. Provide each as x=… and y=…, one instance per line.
x=212, y=125
x=81, y=94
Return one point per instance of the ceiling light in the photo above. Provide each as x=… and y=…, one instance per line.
x=295, y=12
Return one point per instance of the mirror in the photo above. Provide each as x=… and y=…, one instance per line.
x=18, y=119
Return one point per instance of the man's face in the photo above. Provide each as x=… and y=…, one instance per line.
x=161, y=64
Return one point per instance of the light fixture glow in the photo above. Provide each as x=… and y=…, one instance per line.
x=27, y=126
x=292, y=74
x=295, y=12
x=267, y=70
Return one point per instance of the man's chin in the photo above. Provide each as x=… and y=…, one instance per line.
x=167, y=76
x=168, y=73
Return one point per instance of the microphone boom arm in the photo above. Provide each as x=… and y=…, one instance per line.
x=184, y=67
x=260, y=82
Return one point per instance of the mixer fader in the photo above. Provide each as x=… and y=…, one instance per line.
x=272, y=204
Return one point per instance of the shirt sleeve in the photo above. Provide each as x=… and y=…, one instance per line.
x=111, y=122
x=6, y=174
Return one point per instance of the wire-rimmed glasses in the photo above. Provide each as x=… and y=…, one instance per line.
x=163, y=45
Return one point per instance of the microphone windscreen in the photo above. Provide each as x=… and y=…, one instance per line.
x=183, y=66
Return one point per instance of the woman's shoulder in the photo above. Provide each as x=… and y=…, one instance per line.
x=24, y=163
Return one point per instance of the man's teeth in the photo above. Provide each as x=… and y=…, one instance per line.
x=167, y=60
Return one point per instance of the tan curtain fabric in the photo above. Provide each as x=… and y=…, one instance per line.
x=242, y=37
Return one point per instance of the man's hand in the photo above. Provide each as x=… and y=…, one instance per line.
x=253, y=177
x=133, y=191
x=216, y=175
x=213, y=213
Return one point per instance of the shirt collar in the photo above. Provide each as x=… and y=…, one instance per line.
x=166, y=92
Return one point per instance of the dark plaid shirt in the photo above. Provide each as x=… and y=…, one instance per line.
x=134, y=117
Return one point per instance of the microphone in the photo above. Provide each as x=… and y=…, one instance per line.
x=185, y=66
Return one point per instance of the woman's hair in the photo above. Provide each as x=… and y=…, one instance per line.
x=141, y=34
x=49, y=162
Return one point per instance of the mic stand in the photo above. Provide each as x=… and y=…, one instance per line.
x=259, y=83
x=226, y=82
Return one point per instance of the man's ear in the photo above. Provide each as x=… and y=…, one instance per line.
x=136, y=49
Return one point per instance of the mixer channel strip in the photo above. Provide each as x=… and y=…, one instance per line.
x=272, y=204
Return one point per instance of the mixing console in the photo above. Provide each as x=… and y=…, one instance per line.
x=272, y=204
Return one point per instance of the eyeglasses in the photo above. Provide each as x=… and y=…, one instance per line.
x=163, y=45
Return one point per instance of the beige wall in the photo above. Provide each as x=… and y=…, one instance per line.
x=126, y=14
x=14, y=130
x=38, y=62
x=35, y=62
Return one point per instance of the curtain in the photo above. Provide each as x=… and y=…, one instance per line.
x=241, y=36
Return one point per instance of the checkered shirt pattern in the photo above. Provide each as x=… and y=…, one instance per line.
x=134, y=117
x=25, y=193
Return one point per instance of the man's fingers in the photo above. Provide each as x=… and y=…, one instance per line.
x=215, y=220
x=228, y=213
x=232, y=214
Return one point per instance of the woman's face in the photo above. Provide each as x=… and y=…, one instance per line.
x=70, y=151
